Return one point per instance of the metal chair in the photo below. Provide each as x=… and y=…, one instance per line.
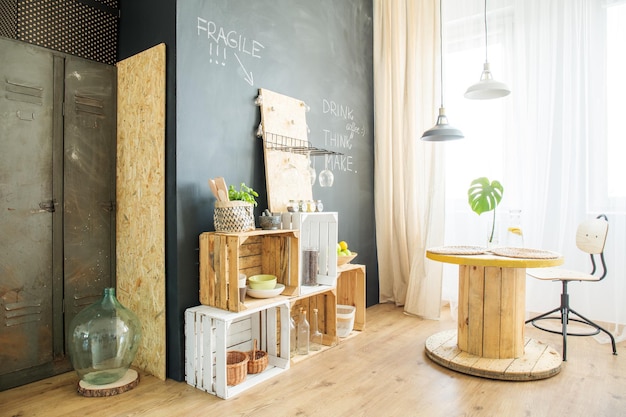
x=590, y=238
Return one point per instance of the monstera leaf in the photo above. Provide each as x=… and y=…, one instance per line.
x=484, y=196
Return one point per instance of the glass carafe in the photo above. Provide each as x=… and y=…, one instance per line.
x=316, y=335
x=514, y=235
x=103, y=340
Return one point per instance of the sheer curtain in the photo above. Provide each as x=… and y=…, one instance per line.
x=408, y=173
x=551, y=142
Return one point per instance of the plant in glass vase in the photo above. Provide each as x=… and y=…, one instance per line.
x=484, y=196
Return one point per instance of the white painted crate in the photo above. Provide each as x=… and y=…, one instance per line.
x=318, y=230
x=211, y=332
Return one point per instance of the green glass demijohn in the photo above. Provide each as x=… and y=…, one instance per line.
x=103, y=340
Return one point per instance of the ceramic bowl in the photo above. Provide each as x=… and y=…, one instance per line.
x=266, y=293
x=262, y=282
x=269, y=222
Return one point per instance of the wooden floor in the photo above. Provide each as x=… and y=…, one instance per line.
x=381, y=372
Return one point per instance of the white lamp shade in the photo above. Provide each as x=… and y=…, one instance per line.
x=487, y=87
x=442, y=131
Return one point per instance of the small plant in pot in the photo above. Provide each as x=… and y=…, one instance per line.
x=484, y=196
x=245, y=193
x=237, y=214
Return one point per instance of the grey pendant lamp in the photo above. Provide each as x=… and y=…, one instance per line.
x=487, y=88
x=442, y=131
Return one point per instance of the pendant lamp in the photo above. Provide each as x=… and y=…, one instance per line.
x=487, y=87
x=442, y=131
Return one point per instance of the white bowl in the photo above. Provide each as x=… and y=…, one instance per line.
x=265, y=293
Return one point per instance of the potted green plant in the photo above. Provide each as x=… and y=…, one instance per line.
x=236, y=214
x=484, y=196
x=245, y=193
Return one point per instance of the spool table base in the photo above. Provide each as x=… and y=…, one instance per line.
x=539, y=361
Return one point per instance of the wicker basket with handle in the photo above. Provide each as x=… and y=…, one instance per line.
x=258, y=360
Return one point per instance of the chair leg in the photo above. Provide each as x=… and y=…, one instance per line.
x=599, y=328
x=564, y=318
x=544, y=315
x=565, y=311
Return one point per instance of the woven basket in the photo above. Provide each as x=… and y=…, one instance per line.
x=258, y=360
x=236, y=367
x=233, y=216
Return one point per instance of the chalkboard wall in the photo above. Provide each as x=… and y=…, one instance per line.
x=318, y=51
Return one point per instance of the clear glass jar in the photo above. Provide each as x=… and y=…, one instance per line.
x=319, y=206
x=316, y=336
x=103, y=340
x=310, y=260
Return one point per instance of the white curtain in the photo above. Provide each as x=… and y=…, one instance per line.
x=408, y=172
x=552, y=142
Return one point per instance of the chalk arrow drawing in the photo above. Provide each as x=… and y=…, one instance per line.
x=248, y=76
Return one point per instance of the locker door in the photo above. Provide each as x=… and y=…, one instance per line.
x=89, y=178
x=27, y=208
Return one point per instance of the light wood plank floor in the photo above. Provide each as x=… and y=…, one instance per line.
x=381, y=372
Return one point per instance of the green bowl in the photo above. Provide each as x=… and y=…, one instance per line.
x=262, y=282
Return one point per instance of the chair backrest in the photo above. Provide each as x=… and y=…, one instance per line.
x=591, y=237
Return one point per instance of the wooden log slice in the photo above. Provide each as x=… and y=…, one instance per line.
x=129, y=381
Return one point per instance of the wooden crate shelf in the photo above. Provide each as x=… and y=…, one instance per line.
x=351, y=291
x=326, y=304
x=224, y=255
x=224, y=322
x=211, y=332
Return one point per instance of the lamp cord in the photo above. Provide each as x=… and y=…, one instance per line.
x=441, y=49
x=486, y=59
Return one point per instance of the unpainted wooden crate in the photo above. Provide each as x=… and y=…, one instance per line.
x=326, y=305
x=224, y=255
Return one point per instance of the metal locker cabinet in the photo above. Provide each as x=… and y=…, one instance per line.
x=57, y=174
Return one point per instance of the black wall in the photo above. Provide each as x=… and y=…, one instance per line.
x=219, y=53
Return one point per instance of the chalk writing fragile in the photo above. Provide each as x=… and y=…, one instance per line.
x=228, y=38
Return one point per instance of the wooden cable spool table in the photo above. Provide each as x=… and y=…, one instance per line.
x=489, y=340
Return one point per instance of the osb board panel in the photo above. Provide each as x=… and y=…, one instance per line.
x=286, y=173
x=140, y=229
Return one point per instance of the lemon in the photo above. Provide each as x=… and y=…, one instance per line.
x=343, y=245
x=515, y=230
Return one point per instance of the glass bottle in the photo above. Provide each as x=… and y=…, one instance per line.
x=303, y=335
x=514, y=235
x=316, y=335
x=293, y=337
x=319, y=206
x=103, y=340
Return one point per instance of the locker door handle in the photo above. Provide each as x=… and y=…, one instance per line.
x=48, y=206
